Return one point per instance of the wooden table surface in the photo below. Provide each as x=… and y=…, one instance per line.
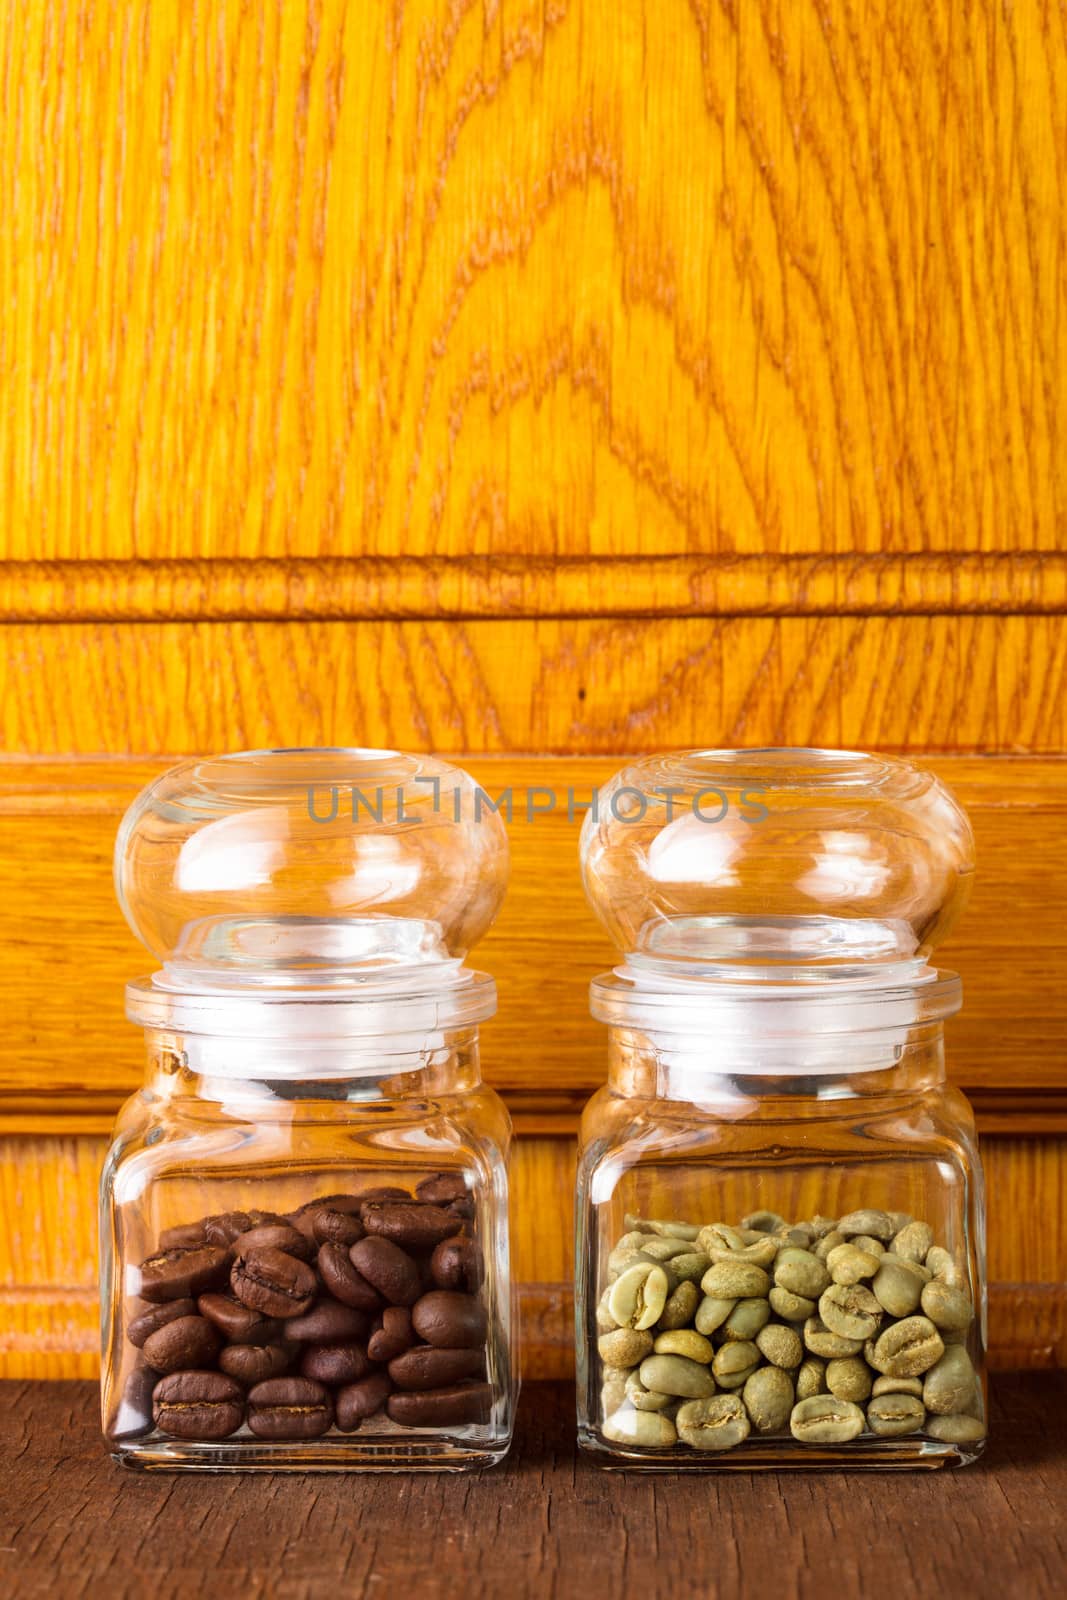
x=546, y=1524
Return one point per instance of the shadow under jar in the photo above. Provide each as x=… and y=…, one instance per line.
x=304, y=1248
x=780, y=1217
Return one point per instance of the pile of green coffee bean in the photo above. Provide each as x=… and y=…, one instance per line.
x=826, y=1330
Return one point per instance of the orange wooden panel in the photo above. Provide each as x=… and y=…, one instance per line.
x=609, y=275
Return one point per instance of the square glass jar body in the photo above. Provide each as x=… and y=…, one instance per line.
x=408, y=1153
x=680, y=1136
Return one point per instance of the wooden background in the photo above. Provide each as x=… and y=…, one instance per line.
x=535, y=381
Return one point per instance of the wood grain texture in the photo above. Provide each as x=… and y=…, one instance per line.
x=48, y=1266
x=66, y=955
x=400, y=587
x=984, y=684
x=546, y=1525
x=465, y=276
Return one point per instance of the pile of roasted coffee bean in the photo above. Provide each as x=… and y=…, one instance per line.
x=827, y=1330
x=351, y=1306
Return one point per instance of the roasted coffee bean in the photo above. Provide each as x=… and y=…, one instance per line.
x=183, y=1274
x=255, y=1363
x=442, y=1188
x=356, y=1401
x=334, y=1363
x=395, y=1335
x=228, y=1226
x=275, y=1236
x=408, y=1224
x=329, y=1322
x=384, y=1192
x=336, y=1227
x=427, y=1367
x=449, y=1320
x=185, y=1236
x=303, y=1218
x=343, y=1281
x=238, y=1322
x=185, y=1343
x=133, y=1416
x=198, y=1405
x=826, y=1420
x=289, y=1408
x=274, y=1283
x=462, y=1209
x=387, y=1268
x=442, y=1408
x=456, y=1264
x=156, y=1317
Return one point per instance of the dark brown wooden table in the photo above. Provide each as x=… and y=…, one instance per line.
x=74, y=1524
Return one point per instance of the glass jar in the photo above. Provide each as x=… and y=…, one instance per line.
x=304, y=1246
x=780, y=1217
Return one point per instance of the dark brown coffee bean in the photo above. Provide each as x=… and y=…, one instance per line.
x=448, y=1320
x=329, y=1322
x=414, y=1226
x=389, y=1269
x=334, y=1363
x=462, y=1209
x=289, y=1408
x=275, y=1236
x=238, y=1322
x=428, y=1368
x=441, y=1188
x=336, y=1227
x=272, y=1282
x=385, y=1191
x=456, y=1264
x=442, y=1408
x=359, y=1400
x=133, y=1418
x=186, y=1236
x=156, y=1317
x=198, y=1405
x=303, y=1218
x=393, y=1337
x=343, y=1281
x=228, y=1226
x=183, y=1274
x=255, y=1363
x=184, y=1344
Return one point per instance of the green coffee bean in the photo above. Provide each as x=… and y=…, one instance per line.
x=646, y=1429
x=891, y=1415
x=613, y=1390
x=897, y=1386
x=822, y=1341
x=672, y=1230
x=734, y=1363
x=823, y=1419
x=768, y=1399
x=624, y=1347
x=791, y=1307
x=947, y=1307
x=712, y=1313
x=864, y=1241
x=811, y=1377
x=691, y=1266
x=913, y=1241
x=907, y=1348
x=665, y=1249
x=949, y=1385
x=955, y=1429
x=760, y=1253
x=677, y=1375
x=782, y=1347
x=605, y=1322
x=681, y=1306
x=624, y=1252
x=944, y=1266
x=763, y=1221
x=801, y=1236
x=849, y=1378
x=716, y=1424
x=849, y=1265
x=643, y=1399
x=821, y=1226
x=800, y=1272
x=735, y=1280
x=638, y=1296
x=746, y=1319
x=899, y=1219
x=897, y=1285
x=684, y=1342
x=829, y=1241
x=850, y=1310
x=719, y=1236
x=876, y=1223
